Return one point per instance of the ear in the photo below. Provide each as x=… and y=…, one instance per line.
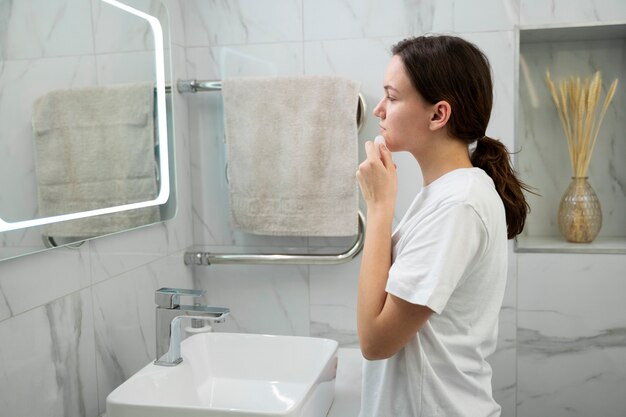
x=440, y=116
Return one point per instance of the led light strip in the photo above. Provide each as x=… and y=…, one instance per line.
x=164, y=191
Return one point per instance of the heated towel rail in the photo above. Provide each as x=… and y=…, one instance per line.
x=198, y=86
x=210, y=258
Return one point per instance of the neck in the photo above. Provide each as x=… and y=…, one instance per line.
x=444, y=155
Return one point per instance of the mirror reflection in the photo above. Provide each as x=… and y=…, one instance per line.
x=83, y=120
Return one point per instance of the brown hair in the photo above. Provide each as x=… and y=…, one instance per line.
x=454, y=70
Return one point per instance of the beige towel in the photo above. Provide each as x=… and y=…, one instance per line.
x=292, y=151
x=95, y=149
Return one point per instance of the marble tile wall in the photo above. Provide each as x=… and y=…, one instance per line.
x=352, y=38
x=75, y=323
x=571, y=332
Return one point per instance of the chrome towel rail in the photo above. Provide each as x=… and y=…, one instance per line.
x=210, y=258
x=197, y=86
x=194, y=86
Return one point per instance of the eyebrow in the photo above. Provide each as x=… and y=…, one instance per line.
x=388, y=87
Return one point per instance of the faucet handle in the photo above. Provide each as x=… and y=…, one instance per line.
x=170, y=297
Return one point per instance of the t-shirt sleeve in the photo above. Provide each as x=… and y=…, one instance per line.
x=437, y=253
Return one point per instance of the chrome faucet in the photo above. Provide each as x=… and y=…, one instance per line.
x=169, y=314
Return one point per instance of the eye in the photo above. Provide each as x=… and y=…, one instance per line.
x=390, y=98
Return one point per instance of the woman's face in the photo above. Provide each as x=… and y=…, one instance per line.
x=404, y=114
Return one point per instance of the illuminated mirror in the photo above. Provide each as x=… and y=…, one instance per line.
x=85, y=121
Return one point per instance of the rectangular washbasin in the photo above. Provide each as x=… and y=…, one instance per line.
x=234, y=375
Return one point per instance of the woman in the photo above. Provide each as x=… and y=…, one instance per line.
x=430, y=292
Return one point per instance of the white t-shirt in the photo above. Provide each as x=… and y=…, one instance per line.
x=449, y=254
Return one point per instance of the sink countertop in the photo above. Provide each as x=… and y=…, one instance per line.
x=347, y=401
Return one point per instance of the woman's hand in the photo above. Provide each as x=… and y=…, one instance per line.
x=377, y=177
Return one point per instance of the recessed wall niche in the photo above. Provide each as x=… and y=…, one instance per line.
x=543, y=160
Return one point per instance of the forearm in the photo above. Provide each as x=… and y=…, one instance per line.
x=375, y=264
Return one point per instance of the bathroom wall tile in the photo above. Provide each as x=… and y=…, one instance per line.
x=545, y=162
x=488, y=15
x=127, y=67
x=327, y=19
x=216, y=22
x=44, y=28
x=22, y=83
x=352, y=19
x=33, y=281
x=118, y=253
x=333, y=298
x=557, y=12
x=571, y=335
x=503, y=361
x=5, y=310
x=499, y=47
x=124, y=320
x=47, y=360
x=262, y=299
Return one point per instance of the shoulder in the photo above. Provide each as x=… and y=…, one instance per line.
x=470, y=186
x=472, y=191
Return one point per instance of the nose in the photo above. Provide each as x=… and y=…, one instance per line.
x=379, y=110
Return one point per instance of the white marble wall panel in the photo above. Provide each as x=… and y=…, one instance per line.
x=262, y=299
x=353, y=19
x=503, y=361
x=5, y=310
x=563, y=12
x=350, y=19
x=115, y=254
x=544, y=161
x=485, y=16
x=571, y=335
x=47, y=360
x=129, y=67
x=217, y=22
x=124, y=319
x=333, y=299
x=499, y=47
x=27, y=282
x=44, y=28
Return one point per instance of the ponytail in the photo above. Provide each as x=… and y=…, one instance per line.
x=492, y=157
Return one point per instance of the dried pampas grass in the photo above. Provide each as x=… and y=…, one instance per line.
x=576, y=104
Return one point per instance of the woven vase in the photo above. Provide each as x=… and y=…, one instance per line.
x=580, y=214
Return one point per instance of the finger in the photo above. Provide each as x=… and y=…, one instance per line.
x=385, y=156
x=371, y=150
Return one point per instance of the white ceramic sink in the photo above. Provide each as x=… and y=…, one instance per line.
x=234, y=375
